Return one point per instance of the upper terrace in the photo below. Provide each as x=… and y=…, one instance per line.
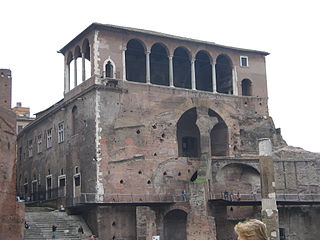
x=160, y=59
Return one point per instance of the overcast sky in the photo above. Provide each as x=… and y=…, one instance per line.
x=32, y=31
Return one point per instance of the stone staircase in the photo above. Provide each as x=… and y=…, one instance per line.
x=41, y=219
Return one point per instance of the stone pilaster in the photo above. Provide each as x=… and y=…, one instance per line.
x=269, y=211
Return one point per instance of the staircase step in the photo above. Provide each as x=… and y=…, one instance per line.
x=41, y=220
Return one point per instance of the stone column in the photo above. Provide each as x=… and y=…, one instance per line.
x=269, y=211
x=200, y=224
x=124, y=77
x=66, y=77
x=83, y=66
x=75, y=72
x=205, y=124
x=234, y=81
x=171, y=71
x=148, y=67
x=214, y=80
x=193, y=75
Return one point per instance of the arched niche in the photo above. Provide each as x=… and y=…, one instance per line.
x=181, y=68
x=175, y=225
x=159, y=65
x=188, y=134
x=135, y=61
x=224, y=76
x=203, y=71
x=239, y=177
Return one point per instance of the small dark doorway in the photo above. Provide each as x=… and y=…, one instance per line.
x=175, y=225
x=246, y=87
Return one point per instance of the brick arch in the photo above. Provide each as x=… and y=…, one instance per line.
x=238, y=177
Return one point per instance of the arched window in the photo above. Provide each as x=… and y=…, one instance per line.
x=203, y=72
x=188, y=134
x=87, y=65
x=224, y=74
x=181, y=68
x=159, y=65
x=74, y=120
x=246, y=86
x=109, y=70
x=218, y=136
x=135, y=61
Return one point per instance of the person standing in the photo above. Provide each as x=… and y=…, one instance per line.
x=80, y=232
x=54, y=229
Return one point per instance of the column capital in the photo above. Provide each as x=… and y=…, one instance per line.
x=213, y=63
x=147, y=52
x=124, y=49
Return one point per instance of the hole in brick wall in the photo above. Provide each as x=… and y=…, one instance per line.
x=149, y=182
x=179, y=173
x=114, y=237
x=155, y=154
x=121, y=181
x=140, y=172
x=188, y=170
x=165, y=173
x=108, y=172
x=255, y=112
x=154, y=126
x=235, y=148
x=245, y=103
x=163, y=135
x=161, y=140
x=138, y=131
x=260, y=104
x=113, y=223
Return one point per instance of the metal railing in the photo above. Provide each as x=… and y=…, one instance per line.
x=129, y=198
x=300, y=197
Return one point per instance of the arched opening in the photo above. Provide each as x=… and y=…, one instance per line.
x=159, y=69
x=181, y=68
x=77, y=58
x=203, y=70
x=109, y=70
x=246, y=86
x=218, y=136
x=224, y=74
x=70, y=66
x=175, y=225
x=74, y=124
x=135, y=61
x=87, y=60
x=188, y=134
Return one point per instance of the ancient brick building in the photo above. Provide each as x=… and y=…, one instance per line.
x=152, y=129
x=11, y=212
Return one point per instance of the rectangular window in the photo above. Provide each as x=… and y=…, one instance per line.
x=30, y=148
x=39, y=143
x=244, y=61
x=49, y=138
x=60, y=132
